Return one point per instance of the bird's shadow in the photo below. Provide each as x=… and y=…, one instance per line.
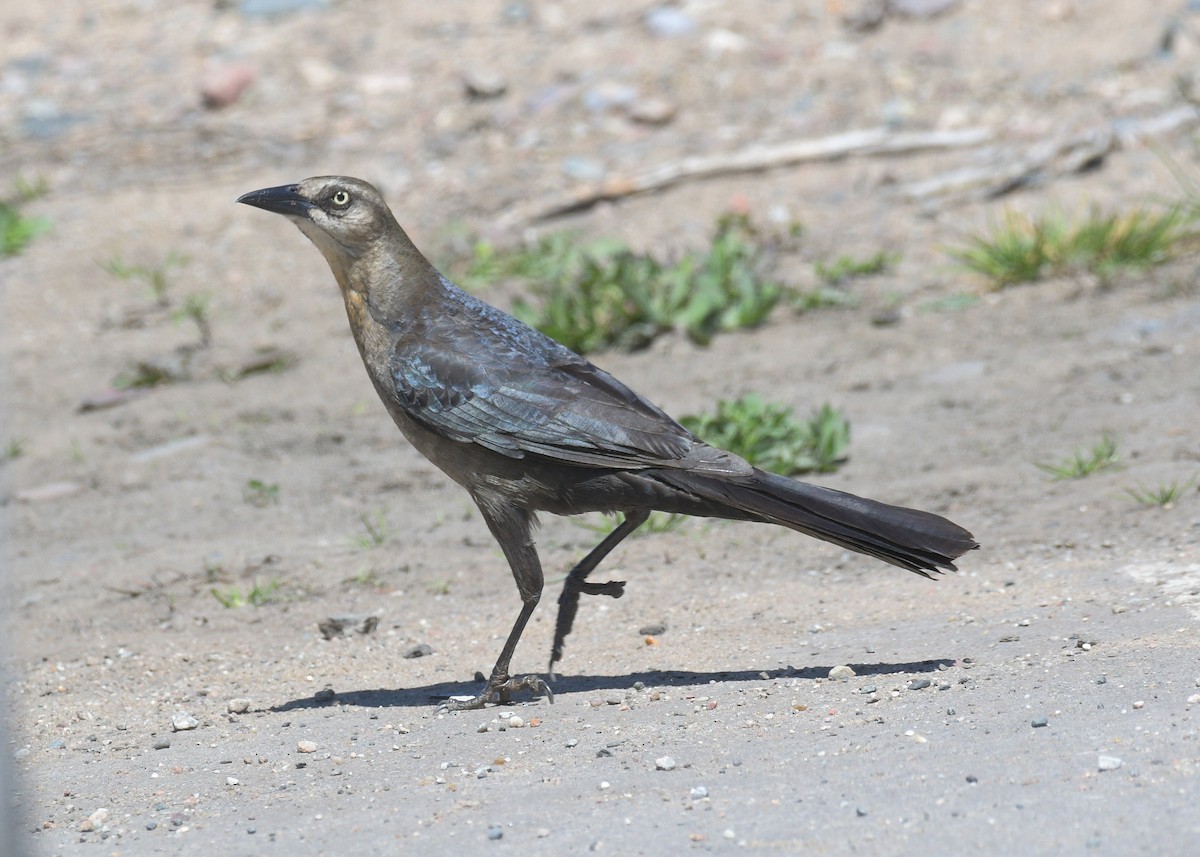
x=430, y=694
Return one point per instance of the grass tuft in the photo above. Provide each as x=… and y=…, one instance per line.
x=1081, y=463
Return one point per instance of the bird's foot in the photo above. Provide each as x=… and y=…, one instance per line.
x=499, y=691
x=611, y=588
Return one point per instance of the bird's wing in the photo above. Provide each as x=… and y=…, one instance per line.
x=522, y=395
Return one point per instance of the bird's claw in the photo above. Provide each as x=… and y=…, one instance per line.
x=499, y=691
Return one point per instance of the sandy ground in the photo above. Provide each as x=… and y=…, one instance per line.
x=1080, y=612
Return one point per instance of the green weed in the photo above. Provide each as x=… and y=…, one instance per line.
x=845, y=268
x=156, y=277
x=1164, y=495
x=257, y=595
x=1024, y=249
x=17, y=230
x=259, y=493
x=377, y=531
x=1081, y=463
x=768, y=435
x=602, y=295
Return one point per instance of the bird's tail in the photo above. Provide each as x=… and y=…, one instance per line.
x=912, y=539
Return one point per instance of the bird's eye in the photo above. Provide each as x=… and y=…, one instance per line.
x=340, y=198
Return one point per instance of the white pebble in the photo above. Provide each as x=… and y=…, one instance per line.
x=1139, y=704
x=232, y=781
x=306, y=746
x=516, y=722
x=181, y=721
x=841, y=673
x=664, y=763
x=1109, y=763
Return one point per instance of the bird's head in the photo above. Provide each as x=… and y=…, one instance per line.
x=345, y=217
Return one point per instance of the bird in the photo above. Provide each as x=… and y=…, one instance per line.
x=527, y=426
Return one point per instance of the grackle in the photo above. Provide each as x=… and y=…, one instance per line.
x=526, y=425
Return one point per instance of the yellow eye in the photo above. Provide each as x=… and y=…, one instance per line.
x=341, y=199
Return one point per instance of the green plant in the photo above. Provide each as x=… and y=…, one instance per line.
x=17, y=230
x=377, y=531
x=1164, y=495
x=768, y=435
x=157, y=277
x=1080, y=463
x=1024, y=249
x=196, y=310
x=848, y=267
x=14, y=449
x=257, y=595
x=602, y=295
x=259, y=493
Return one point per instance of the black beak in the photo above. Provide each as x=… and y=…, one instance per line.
x=285, y=199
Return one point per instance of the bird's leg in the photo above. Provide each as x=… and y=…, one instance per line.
x=512, y=527
x=576, y=583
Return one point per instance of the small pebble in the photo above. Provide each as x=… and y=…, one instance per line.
x=232, y=781
x=918, y=684
x=1108, y=763
x=238, y=706
x=482, y=727
x=417, y=650
x=867, y=688
x=841, y=673
x=57, y=744
x=306, y=746
x=1102, y=680
x=1139, y=704
x=152, y=825
x=516, y=722
x=181, y=721
x=572, y=742
x=972, y=779
x=223, y=84
x=495, y=833
x=699, y=793
x=484, y=83
x=604, y=784
x=325, y=694
x=1039, y=722
x=860, y=812
x=1194, y=699
x=664, y=763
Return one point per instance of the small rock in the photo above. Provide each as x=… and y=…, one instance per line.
x=653, y=111
x=494, y=833
x=667, y=22
x=223, y=84
x=306, y=746
x=161, y=743
x=654, y=629
x=1139, y=704
x=95, y=821
x=1194, y=699
x=865, y=15
x=482, y=727
x=484, y=83
x=918, y=684
x=516, y=722
x=181, y=721
x=921, y=8
x=57, y=744
x=1039, y=722
x=604, y=753
x=238, y=706
x=232, y=781
x=275, y=8
x=841, y=673
x=325, y=694
x=860, y=812
x=972, y=779
x=337, y=626
x=572, y=742
x=417, y=650
x=699, y=793
x=1108, y=763
x=605, y=785
x=664, y=763
x=867, y=688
